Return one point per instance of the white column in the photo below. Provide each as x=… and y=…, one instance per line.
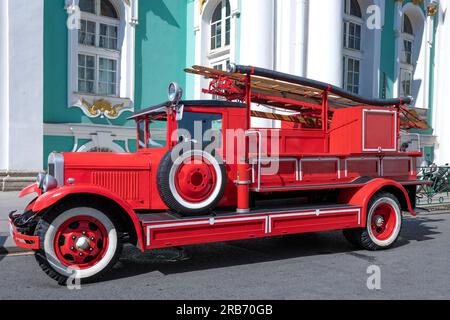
x=22, y=85
x=325, y=41
x=301, y=37
x=285, y=36
x=258, y=40
x=291, y=37
x=4, y=88
x=257, y=33
x=441, y=110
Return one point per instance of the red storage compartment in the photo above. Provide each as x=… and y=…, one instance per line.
x=364, y=129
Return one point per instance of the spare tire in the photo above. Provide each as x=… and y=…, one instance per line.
x=191, y=183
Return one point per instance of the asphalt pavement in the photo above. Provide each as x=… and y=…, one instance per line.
x=310, y=266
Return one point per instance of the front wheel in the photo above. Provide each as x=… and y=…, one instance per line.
x=384, y=222
x=78, y=243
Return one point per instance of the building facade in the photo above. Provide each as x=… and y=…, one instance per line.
x=73, y=71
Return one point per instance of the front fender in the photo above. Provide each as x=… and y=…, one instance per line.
x=50, y=198
x=33, y=188
x=361, y=197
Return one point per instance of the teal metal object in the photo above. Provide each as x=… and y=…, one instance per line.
x=438, y=192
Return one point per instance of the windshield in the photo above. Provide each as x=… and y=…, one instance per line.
x=157, y=137
x=201, y=127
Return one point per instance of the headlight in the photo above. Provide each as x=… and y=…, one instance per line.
x=49, y=184
x=40, y=180
x=175, y=92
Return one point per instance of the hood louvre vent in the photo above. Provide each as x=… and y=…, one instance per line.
x=124, y=184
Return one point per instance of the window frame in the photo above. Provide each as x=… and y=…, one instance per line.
x=100, y=52
x=348, y=35
x=346, y=73
x=406, y=67
x=348, y=52
x=123, y=102
x=403, y=72
x=223, y=22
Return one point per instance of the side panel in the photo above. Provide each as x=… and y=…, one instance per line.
x=181, y=232
x=379, y=130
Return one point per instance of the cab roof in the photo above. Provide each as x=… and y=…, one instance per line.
x=161, y=108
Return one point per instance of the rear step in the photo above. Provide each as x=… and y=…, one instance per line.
x=169, y=230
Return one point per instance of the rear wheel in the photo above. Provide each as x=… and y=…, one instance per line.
x=384, y=222
x=81, y=243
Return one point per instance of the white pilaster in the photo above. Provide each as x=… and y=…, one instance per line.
x=4, y=85
x=301, y=37
x=21, y=85
x=325, y=41
x=441, y=112
x=285, y=36
x=258, y=39
x=257, y=33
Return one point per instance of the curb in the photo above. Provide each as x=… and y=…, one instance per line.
x=431, y=213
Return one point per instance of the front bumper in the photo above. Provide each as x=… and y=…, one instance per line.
x=19, y=226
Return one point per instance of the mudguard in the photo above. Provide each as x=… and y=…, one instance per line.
x=29, y=190
x=362, y=196
x=52, y=197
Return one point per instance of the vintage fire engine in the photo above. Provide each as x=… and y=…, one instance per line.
x=338, y=159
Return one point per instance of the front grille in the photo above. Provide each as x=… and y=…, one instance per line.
x=51, y=169
x=56, y=167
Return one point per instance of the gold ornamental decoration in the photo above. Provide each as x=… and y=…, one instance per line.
x=103, y=107
x=432, y=9
x=202, y=5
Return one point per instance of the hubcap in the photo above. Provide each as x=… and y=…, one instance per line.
x=195, y=180
x=81, y=242
x=383, y=222
x=379, y=221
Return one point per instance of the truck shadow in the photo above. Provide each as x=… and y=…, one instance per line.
x=246, y=252
x=2, y=250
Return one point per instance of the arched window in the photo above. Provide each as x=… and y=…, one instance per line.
x=407, y=25
x=406, y=58
x=220, y=36
x=221, y=26
x=353, y=23
x=98, y=51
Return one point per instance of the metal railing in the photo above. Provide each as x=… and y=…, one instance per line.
x=438, y=192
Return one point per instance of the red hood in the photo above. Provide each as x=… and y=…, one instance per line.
x=102, y=161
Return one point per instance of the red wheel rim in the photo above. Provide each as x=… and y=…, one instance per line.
x=81, y=242
x=195, y=179
x=383, y=221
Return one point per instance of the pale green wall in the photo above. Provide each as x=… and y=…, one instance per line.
x=160, y=49
x=190, y=49
x=387, y=65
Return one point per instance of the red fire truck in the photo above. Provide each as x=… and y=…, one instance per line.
x=209, y=176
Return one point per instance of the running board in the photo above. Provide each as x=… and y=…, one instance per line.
x=169, y=230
